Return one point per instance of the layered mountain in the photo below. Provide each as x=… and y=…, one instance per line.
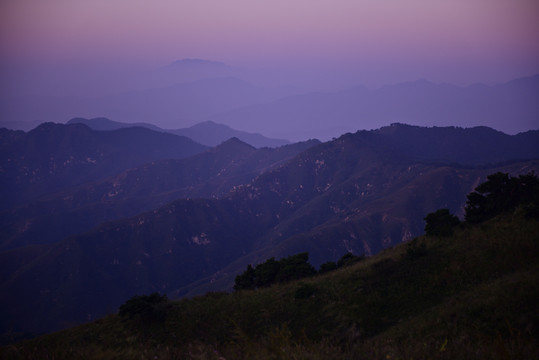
x=273, y=103
x=210, y=174
x=53, y=157
x=360, y=193
x=168, y=105
x=206, y=133
x=510, y=107
x=210, y=133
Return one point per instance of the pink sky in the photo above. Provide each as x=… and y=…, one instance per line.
x=443, y=40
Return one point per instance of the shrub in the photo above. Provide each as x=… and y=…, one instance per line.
x=145, y=307
x=327, y=266
x=501, y=193
x=440, y=223
x=245, y=280
x=348, y=259
x=273, y=271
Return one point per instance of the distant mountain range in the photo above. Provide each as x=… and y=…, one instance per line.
x=511, y=107
x=235, y=205
x=170, y=106
x=193, y=91
x=207, y=133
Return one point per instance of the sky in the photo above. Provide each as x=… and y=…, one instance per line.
x=375, y=41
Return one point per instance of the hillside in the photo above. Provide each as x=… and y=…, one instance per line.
x=473, y=295
x=360, y=193
x=77, y=209
x=53, y=157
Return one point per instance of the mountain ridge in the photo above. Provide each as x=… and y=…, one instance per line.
x=509, y=107
x=210, y=174
x=351, y=194
x=53, y=156
x=206, y=133
x=228, y=98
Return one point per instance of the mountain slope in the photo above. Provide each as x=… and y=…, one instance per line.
x=473, y=294
x=352, y=194
x=53, y=157
x=212, y=173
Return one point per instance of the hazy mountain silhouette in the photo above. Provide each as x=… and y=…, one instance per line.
x=511, y=107
x=361, y=192
x=168, y=106
x=104, y=124
x=192, y=91
x=189, y=70
x=206, y=133
x=211, y=134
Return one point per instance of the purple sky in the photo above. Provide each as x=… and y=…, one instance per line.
x=456, y=41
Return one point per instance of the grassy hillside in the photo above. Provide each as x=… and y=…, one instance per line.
x=472, y=295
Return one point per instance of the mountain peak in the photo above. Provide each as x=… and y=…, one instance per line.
x=234, y=144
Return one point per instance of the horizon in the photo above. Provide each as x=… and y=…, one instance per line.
x=459, y=42
x=107, y=48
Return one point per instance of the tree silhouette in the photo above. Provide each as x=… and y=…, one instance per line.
x=502, y=193
x=440, y=223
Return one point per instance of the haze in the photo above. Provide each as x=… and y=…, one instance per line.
x=102, y=47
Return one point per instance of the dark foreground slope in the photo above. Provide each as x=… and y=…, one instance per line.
x=473, y=295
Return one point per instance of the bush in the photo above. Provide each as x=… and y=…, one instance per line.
x=348, y=259
x=273, y=271
x=501, y=193
x=290, y=268
x=295, y=267
x=327, y=267
x=145, y=307
x=440, y=223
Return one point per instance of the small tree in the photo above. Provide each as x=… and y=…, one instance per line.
x=348, y=259
x=327, y=267
x=440, y=223
x=295, y=267
x=266, y=273
x=245, y=280
x=273, y=271
x=502, y=193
